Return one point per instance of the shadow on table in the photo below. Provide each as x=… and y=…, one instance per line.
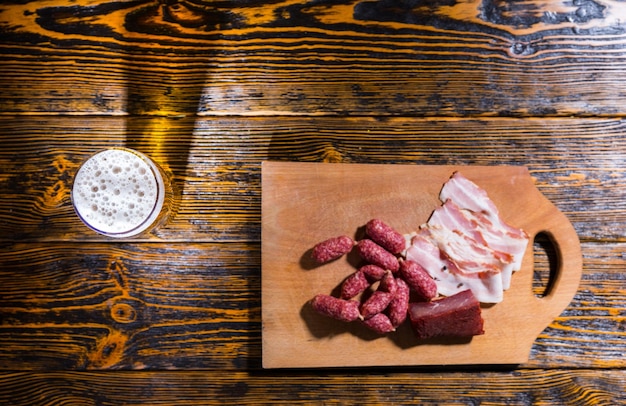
x=164, y=89
x=162, y=115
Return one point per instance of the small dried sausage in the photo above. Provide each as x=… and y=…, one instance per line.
x=377, y=255
x=388, y=283
x=399, y=306
x=418, y=280
x=385, y=236
x=373, y=272
x=331, y=249
x=354, y=284
x=376, y=303
x=380, y=323
x=339, y=309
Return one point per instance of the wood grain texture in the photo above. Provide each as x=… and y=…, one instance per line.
x=68, y=306
x=212, y=89
x=286, y=57
x=523, y=387
x=130, y=306
x=579, y=165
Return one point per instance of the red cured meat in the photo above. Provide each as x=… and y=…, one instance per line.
x=399, y=306
x=377, y=255
x=388, y=284
x=453, y=316
x=353, y=285
x=375, y=304
x=385, y=236
x=339, y=309
x=418, y=280
x=331, y=249
x=373, y=272
x=380, y=323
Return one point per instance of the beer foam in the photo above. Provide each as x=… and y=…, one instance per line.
x=118, y=192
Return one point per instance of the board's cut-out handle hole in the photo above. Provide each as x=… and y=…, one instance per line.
x=546, y=264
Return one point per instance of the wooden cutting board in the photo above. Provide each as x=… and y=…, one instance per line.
x=305, y=203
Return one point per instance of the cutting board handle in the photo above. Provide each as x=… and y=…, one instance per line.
x=564, y=282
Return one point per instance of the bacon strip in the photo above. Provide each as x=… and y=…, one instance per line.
x=487, y=287
x=498, y=234
x=470, y=196
x=467, y=245
x=504, y=247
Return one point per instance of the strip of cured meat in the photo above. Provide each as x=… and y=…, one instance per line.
x=487, y=287
x=470, y=196
x=504, y=251
x=467, y=245
x=453, y=316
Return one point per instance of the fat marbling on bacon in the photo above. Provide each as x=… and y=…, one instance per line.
x=467, y=245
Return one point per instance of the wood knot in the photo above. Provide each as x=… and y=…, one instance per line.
x=189, y=15
x=522, y=49
x=109, y=350
x=123, y=313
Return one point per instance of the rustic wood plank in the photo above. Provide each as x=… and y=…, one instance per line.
x=348, y=57
x=189, y=297
x=578, y=164
x=198, y=306
x=595, y=318
x=77, y=306
x=521, y=387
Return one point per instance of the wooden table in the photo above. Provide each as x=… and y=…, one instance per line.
x=213, y=89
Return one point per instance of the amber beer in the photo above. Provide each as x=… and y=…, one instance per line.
x=121, y=192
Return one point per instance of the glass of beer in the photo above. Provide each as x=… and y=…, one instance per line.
x=120, y=192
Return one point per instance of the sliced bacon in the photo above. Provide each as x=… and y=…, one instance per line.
x=506, y=249
x=467, y=195
x=500, y=238
x=469, y=256
x=487, y=287
x=449, y=215
x=499, y=235
x=467, y=245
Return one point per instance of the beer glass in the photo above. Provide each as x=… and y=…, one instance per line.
x=120, y=192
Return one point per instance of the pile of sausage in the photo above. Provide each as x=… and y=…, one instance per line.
x=386, y=307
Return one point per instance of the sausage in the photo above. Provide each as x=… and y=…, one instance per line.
x=418, y=280
x=375, y=304
x=354, y=284
x=388, y=283
x=385, y=236
x=380, y=323
x=377, y=255
x=373, y=272
x=331, y=249
x=399, y=306
x=338, y=309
